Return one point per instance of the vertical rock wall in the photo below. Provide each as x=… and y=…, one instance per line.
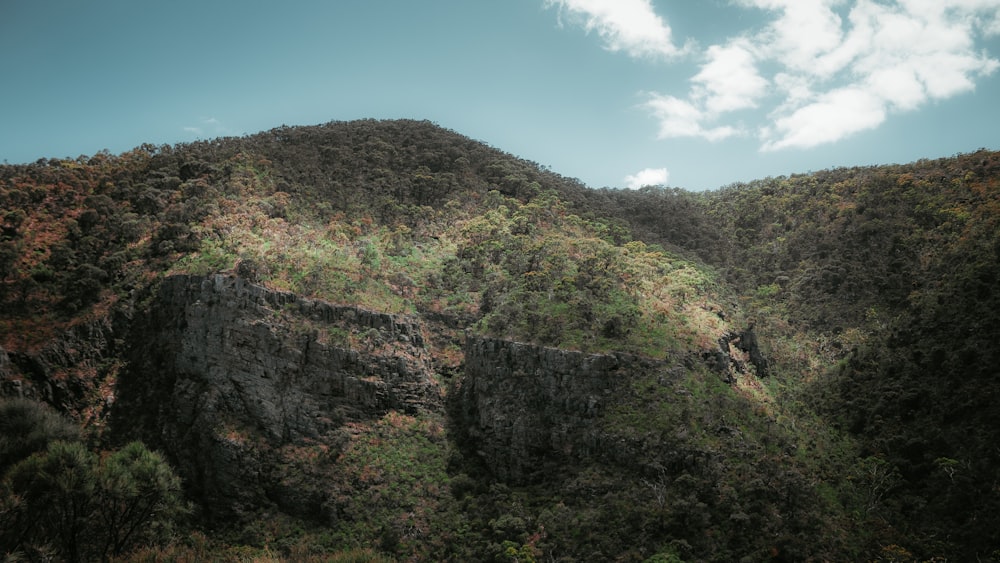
x=223, y=374
x=526, y=407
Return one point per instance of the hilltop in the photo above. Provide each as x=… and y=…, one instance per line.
x=382, y=339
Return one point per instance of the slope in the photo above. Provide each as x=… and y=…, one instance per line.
x=386, y=334
x=892, y=273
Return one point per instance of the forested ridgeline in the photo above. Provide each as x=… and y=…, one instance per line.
x=827, y=341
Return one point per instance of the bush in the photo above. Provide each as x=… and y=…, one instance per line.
x=68, y=500
x=27, y=427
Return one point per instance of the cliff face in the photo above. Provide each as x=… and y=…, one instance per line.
x=251, y=392
x=232, y=380
x=526, y=407
x=73, y=372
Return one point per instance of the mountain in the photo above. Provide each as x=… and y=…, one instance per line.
x=381, y=340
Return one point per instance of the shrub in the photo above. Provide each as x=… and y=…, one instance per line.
x=27, y=427
x=69, y=500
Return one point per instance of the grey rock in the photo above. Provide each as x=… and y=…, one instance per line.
x=528, y=407
x=223, y=374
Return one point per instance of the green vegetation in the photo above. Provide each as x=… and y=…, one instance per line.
x=891, y=274
x=26, y=427
x=547, y=276
x=64, y=500
x=872, y=292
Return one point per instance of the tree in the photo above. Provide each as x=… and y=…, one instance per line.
x=56, y=490
x=139, y=499
x=27, y=427
x=68, y=499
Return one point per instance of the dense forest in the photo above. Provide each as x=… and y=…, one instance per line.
x=790, y=369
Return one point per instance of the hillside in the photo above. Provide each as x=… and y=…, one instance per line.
x=383, y=340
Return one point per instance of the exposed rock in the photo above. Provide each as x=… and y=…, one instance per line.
x=69, y=371
x=9, y=386
x=526, y=407
x=736, y=350
x=747, y=342
x=223, y=374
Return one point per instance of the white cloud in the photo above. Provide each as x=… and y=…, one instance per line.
x=680, y=118
x=821, y=69
x=899, y=86
x=991, y=26
x=891, y=58
x=625, y=25
x=833, y=116
x=803, y=31
x=729, y=81
x=647, y=177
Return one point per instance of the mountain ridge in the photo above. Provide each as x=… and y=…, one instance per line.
x=778, y=415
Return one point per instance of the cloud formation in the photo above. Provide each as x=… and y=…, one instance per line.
x=631, y=26
x=647, y=177
x=819, y=71
x=841, y=76
x=728, y=81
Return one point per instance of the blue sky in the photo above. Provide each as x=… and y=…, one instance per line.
x=614, y=92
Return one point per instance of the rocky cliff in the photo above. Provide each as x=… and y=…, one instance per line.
x=232, y=381
x=251, y=392
x=73, y=372
x=525, y=408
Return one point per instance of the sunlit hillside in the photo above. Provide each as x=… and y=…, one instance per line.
x=381, y=340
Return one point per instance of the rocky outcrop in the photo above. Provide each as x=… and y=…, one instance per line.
x=70, y=372
x=526, y=408
x=736, y=354
x=225, y=376
x=8, y=387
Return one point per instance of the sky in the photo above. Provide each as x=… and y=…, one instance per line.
x=616, y=93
